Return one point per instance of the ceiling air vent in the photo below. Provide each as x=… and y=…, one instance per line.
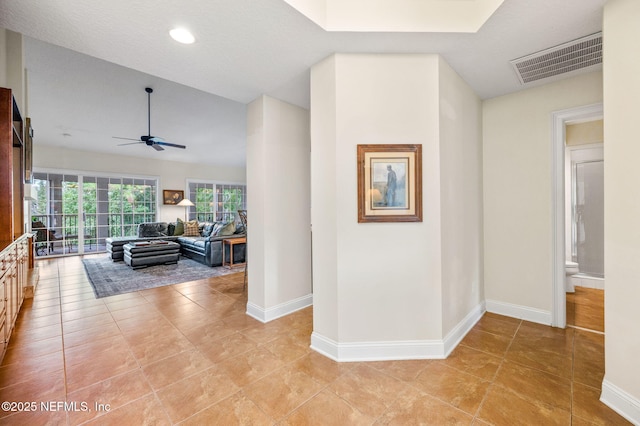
x=577, y=55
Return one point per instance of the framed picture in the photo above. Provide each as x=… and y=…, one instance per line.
x=172, y=197
x=390, y=183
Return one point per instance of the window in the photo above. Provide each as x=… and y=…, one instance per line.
x=89, y=209
x=215, y=201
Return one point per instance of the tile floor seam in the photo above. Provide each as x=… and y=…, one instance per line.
x=437, y=398
x=290, y=413
x=139, y=367
x=182, y=378
x=64, y=355
x=526, y=397
x=480, y=350
x=375, y=420
x=175, y=422
x=495, y=375
x=275, y=421
x=104, y=413
x=535, y=368
x=155, y=395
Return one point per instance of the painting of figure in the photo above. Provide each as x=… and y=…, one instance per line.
x=389, y=183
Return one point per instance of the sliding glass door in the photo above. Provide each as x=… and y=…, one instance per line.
x=54, y=214
x=74, y=214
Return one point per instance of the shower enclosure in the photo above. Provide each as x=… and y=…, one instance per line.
x=587, y=224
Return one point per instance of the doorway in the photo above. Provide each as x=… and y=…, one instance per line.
x=559, y=121
x=584, y=195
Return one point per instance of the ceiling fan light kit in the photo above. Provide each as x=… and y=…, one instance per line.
x=154, y=142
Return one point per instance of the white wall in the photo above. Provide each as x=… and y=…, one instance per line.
x=621, y=387
x=279, y=223
x=461, y=198
x=172, y=174
x=324, y=186
x=585, y=133
x=15, y=68
x=12, y=66
x=517, y=185
x=3, y=57
x=379, y=282
x=378, y=287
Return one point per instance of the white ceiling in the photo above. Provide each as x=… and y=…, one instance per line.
x=244, y=48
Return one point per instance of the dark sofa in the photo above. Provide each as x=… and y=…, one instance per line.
x=205, y=248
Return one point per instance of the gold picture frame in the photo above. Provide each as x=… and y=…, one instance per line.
x=172, y=196
x=389, y=183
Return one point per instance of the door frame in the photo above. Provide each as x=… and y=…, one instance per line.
x=559, y=119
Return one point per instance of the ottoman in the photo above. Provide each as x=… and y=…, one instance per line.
x=146, y=253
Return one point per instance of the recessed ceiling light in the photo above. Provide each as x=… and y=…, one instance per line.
x=182, y=35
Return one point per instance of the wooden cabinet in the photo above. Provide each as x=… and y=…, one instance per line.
x=16, y=255
x=12, y=168
x=14, y=265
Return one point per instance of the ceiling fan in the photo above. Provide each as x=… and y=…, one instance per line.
x=152, y=141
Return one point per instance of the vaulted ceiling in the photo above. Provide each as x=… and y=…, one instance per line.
x=89, y=62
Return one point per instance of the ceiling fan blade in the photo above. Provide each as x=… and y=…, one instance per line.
x=157, y=147
x=174, y=145
x=126, y=139
x=132, y=143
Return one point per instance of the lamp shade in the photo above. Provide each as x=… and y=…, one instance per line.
x=185, y=203
x=30, y=192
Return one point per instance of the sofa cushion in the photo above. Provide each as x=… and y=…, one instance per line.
x=192, y=242
x=191, y=229
x=240, y=228
x=227, y=229
x=153, y=229
x=179, y=229
x=207, y=229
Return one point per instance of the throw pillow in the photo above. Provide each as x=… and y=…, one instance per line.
x=171, y=229
x=208, y=229
x=227, y=229
x=216, y=229
x=179, y=229
x=191, y=229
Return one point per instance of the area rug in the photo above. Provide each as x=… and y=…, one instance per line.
x=109, y=278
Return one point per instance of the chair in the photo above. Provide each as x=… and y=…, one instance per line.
x=243, y=220
x=44, y=238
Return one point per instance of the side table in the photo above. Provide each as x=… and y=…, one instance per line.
x=230, y=242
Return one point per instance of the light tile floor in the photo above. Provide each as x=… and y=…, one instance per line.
x=188, y=354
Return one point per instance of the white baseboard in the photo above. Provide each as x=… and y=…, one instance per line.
x=517, y=311
x=396, y=350
x=281, y=310
x=620, y=402
x=456, y=335
x=377, y=351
